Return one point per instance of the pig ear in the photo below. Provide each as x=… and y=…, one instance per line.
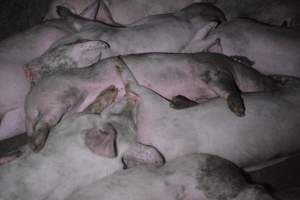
x=91, y=11
x=102, y=142
x=141, y=154
x=199, y=41
x=86, y=52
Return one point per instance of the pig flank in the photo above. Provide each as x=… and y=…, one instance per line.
x=210, y=128
x=194, y=176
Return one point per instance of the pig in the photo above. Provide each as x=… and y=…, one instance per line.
x=193, y=176
x=274, y=50
x=123, y=12
x=266, y=135
x=200, y=76
x=15, y=52
x=275, y=12
x=288, y=194
x=171, y=32
x=76, y=155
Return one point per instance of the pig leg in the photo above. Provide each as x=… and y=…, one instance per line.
x=181, y=102
x=104, y=15
x=222, y=83
x=199, y=41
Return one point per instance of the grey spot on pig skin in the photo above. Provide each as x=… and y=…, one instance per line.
x=220, y=179
x=205, y=76
x=70, y=96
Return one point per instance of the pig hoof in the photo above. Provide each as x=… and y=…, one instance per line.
x=236, y=104
x=181, y=102
x=38, y=141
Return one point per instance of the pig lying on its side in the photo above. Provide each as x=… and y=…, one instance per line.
x=15, y=52
x=123, y=11
x=274, y=50
x=269, y=131
x=190, y=177
x=170, y=32
x=197, y=76
x=276, y=12
x=71, y=157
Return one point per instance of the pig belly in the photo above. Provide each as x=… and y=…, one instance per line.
x=268, y=131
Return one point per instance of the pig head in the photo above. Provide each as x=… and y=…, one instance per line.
x=15, y=52
x=83, y=148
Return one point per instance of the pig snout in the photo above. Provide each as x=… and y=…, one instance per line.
x=39, y=137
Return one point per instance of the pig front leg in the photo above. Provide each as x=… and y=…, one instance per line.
x=222, y=82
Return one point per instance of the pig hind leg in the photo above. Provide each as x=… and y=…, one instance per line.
x=223, y=84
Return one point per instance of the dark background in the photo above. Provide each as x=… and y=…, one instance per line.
x=17, y=15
